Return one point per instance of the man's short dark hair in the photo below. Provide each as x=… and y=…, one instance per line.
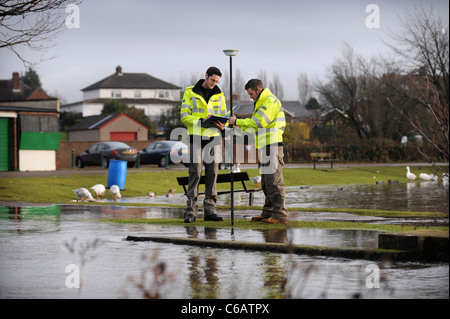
x=213, y=71
x=254, y=84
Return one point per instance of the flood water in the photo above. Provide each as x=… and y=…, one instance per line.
x=37, y=244
x=417, y=197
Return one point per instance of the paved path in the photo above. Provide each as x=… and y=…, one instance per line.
x=181, y=168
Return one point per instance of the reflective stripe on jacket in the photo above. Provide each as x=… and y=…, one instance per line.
x=194, y=108
x=268, y=120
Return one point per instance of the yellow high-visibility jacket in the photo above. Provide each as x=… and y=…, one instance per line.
x=268, y=120
x=194, y=109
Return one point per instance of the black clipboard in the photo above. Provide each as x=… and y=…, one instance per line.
x=209, y=122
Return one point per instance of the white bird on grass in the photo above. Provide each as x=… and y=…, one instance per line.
x=428, y=177
x=99, y=190
x=115, y=192
x=256, y=180
x=151, y=194
x=410, y=175
x=83, y=193
x=445, y=179
x=237, y=169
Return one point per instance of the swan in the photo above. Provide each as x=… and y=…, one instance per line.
x=410, y=175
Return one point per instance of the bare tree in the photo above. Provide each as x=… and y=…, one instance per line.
x=225, y=84
x=239, y=84
x=304, y=88
x=262, y=75
x=424, y=46
x=190, y=79
x=435, y=128
x=343, y=92
x=277, y=87
x=357, y=91
x=32, y=24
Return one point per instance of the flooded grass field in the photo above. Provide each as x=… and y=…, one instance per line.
x=42, y=248
x=420, y=197
x=38, y=244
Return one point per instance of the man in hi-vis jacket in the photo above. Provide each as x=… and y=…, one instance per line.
x=201, y=101
x=268, y=122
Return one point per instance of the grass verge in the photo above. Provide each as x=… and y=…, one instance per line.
x=58, y=189
x=246, y=224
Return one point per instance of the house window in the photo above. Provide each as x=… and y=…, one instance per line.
x=116, y=94
x=137, y=94
x=163, y=94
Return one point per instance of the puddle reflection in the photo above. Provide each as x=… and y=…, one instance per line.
x=34, y=257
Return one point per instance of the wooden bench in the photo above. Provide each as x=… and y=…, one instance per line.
x=224, y=178
x=323, y=157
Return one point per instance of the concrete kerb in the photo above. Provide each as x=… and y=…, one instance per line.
x=427, y=245
x=342, y=252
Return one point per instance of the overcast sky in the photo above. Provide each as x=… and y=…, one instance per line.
x=170, y=39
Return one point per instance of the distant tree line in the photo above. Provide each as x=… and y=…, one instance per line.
x=388, y=99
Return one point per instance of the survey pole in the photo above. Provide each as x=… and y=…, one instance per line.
x=231, y=54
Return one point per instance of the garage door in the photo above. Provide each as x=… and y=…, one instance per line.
x=123, y=136
x=4, y=144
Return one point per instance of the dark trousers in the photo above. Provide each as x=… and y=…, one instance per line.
x=272, y=182
x=207, y=154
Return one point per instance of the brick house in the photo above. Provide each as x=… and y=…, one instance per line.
x=108, y=127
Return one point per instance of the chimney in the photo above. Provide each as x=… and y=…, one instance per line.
x=16, y=82
x=119, y=70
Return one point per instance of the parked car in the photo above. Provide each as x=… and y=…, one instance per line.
x=111, y=150
x=156, y=153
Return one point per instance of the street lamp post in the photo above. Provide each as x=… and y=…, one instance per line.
x=231, y=54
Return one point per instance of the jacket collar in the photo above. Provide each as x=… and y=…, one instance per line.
x=197, y=90
x=262, y=96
